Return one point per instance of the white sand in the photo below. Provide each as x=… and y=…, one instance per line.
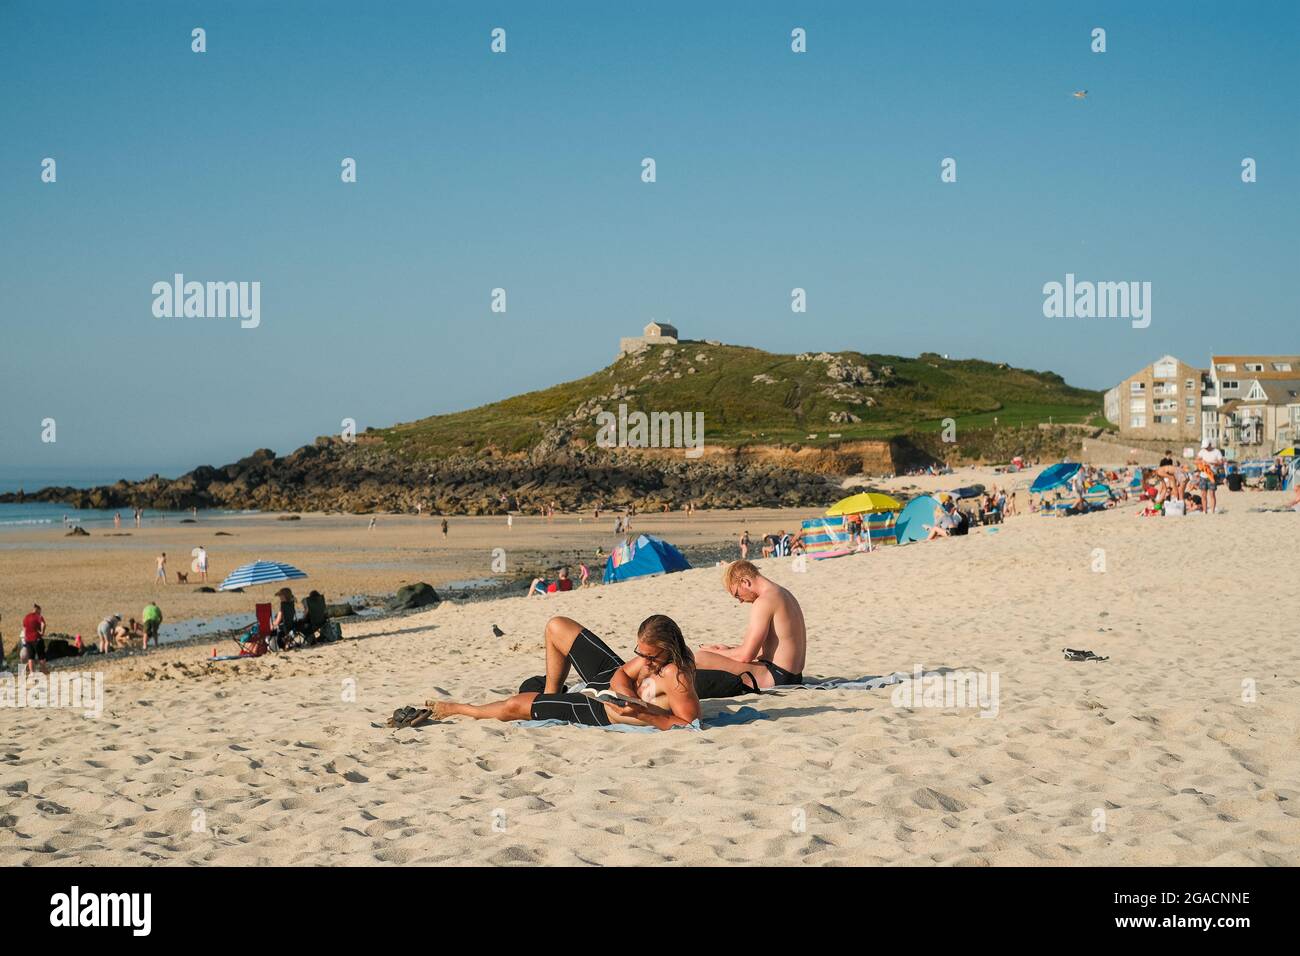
x=280, y=768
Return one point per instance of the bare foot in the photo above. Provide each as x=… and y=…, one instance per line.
x=442, y=709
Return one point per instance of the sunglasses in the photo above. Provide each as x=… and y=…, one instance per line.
x=652, y=658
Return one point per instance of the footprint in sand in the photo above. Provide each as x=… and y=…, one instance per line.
x=930, y=799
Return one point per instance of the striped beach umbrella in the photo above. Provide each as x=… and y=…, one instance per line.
x=260, y=572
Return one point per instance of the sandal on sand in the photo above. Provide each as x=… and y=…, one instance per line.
x=419, y=717
x=401, y=716
x=409, y=717
x=1075, y=655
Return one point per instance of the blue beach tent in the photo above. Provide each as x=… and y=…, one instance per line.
x=645, y=555
x=912, y=519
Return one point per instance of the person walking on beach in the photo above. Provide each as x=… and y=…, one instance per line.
x=117, y=520
x=371, y=526
x=1208, y=462
x=152, y=617
x=660, y=679
x=444, y=528
x=201, y=563
x=161, y=573
x=744, y=545
x=34, y=640
x=775, y=643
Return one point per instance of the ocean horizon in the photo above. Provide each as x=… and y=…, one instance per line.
x=45, y=513
x=31, y=480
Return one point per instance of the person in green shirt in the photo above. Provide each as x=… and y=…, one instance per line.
x=152, y=621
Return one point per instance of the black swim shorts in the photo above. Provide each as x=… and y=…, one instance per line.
x=591, y=658
x=575, y=708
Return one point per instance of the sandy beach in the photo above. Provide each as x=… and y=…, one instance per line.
x=78, y=581
x=1177, y=750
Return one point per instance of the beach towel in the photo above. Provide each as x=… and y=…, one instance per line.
x=733, y=718
x=852, y=683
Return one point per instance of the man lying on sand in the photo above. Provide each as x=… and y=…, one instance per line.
x=661, y=676
x=775, y=642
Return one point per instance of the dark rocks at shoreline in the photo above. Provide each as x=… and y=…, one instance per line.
x=412, y=596
x=363, y=478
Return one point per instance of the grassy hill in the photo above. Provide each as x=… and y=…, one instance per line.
x=749, y=396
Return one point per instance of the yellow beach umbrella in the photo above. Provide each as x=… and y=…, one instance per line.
x=864, y=503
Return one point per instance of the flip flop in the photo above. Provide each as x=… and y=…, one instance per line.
x=1071, y=654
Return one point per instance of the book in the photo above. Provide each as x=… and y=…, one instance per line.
x=611, y=697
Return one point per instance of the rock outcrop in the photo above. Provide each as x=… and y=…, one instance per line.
x=360, y=478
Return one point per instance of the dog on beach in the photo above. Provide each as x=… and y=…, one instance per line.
x=182, y=577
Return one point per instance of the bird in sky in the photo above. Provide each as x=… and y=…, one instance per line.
x=1080, y=94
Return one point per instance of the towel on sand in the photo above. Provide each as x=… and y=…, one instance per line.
x=852, y=683
x=743, y=715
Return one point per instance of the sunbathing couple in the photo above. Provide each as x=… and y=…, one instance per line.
x=665, y=678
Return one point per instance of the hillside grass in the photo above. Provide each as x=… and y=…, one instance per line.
x=913, y=395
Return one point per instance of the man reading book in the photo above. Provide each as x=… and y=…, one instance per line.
x=656, y=688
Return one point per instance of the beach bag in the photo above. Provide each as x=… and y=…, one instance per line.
x=1175, y=509
x=57, y=647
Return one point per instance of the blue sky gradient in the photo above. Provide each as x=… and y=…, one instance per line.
x=522, y=170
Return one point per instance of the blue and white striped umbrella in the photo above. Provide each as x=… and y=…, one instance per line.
x=260, y=572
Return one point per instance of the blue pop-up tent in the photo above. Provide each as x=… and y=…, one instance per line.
x=645, y=555
x=1054, y=476
x=915, y=515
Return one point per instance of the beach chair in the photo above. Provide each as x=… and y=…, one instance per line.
x=253, y=642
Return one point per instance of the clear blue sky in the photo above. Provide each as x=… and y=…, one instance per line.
x=475, y=170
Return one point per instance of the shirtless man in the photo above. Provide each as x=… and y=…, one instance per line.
x=775, y=642
x=661, y=676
